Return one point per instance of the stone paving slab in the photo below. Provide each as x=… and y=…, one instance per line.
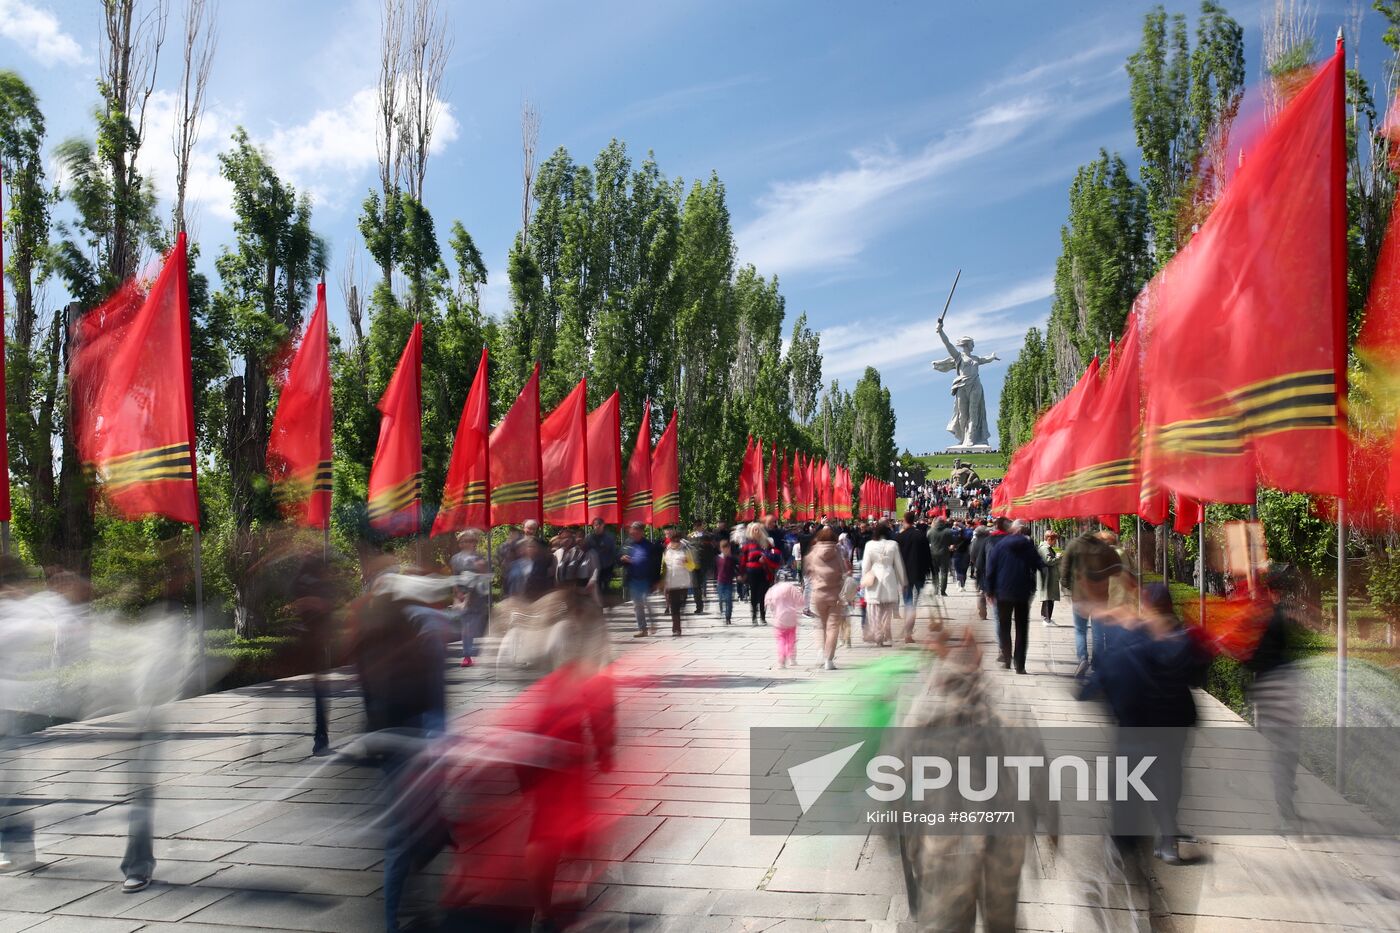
x=254, y=834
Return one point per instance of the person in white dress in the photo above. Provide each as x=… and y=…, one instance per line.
x=883, y=577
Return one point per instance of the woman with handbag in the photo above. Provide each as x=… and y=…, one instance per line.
x=827, y=570
x=883, y=578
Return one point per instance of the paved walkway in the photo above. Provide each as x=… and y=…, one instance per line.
x=253, y=834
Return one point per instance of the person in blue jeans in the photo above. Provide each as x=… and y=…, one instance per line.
x=726, y=571
x=641, y=570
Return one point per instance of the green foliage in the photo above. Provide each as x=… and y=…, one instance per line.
x=1025, y=393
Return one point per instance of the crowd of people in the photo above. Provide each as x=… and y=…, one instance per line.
x=949, y=497
x=545, y=601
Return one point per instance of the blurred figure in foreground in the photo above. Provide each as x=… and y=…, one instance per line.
x=951, y=876
x=546, y=744
x=1152, y=664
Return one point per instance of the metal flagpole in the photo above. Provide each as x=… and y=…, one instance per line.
x=197, y=564
x=1341, y=644
x=1138, y=535
x=1201, y=562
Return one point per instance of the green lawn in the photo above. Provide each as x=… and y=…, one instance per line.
x=988, y=466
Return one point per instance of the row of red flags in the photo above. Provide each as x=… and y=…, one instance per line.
x=1231, y=371
x=800, y=487
x=135, y=432
x=564, y=468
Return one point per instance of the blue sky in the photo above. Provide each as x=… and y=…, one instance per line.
x=868, y=150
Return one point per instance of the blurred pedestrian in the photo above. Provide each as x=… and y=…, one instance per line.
x=827, y=570
x=677, y=565
x=962, y=543
x=469, y=602
x=784, y=602
x=604, y=547
x=917, y=559
x=313, y=607
x=531, y=574
x=1086, y=566
x=639, y=570
x=726, y=573
x=702, y=551
x=1153, y=662
x=980, y=535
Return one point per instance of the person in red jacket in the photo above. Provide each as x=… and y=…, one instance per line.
x=759, y=560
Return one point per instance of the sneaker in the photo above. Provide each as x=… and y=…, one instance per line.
x=467, y=661
x=830, y=665
x=19, y=863
x=135, y=883
x=640, y=635
x=320, y=749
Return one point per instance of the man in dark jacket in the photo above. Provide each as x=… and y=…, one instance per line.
x=995, y=536
x=918, y=559
x=940, y=541
x=1011, y=579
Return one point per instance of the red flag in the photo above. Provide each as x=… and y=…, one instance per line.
x=1189, y=514
x=666, y=478
x=299, y=448
x=1246, y=350
x=464, y=497
x=771, y=488
x=1107, y=478
x=785, y=488
x=760, y=483
x=605, y=460
x=514, y=452
x=638, y=488
x=743, y=509
x=564, y=449
x=135, y=397
x=397, y=473
x=1375, y=471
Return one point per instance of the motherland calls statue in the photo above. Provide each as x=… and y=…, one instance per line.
x=969, y=421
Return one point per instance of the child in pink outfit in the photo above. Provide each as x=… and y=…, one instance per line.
x=784, y=603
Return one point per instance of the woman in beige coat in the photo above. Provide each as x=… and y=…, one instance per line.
x=883, y=577
x=826, y=568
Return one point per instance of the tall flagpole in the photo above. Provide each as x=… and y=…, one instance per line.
x=1341, y=643
x=1201, y=562
x=1339, y=320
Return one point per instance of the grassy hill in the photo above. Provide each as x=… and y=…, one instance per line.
x=988, y=466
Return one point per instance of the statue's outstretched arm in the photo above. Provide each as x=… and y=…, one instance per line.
x=953, y=351
x=984, y=360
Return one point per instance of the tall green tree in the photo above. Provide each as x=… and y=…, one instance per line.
x=31, y=351
x=266, y=281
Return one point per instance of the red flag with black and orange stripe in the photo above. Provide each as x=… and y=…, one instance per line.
x=637, y=494
x=605, y=460
x=666, y=478
x=1263, y=285
x=564, y=448
x=134, y=398
x=516, y=468
x=397, y=474
x=299, y=447
x=465, y=502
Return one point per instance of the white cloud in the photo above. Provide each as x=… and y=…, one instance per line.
x=849, y=348
x=323, y=156
x=828, y=220
x=39, y=32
